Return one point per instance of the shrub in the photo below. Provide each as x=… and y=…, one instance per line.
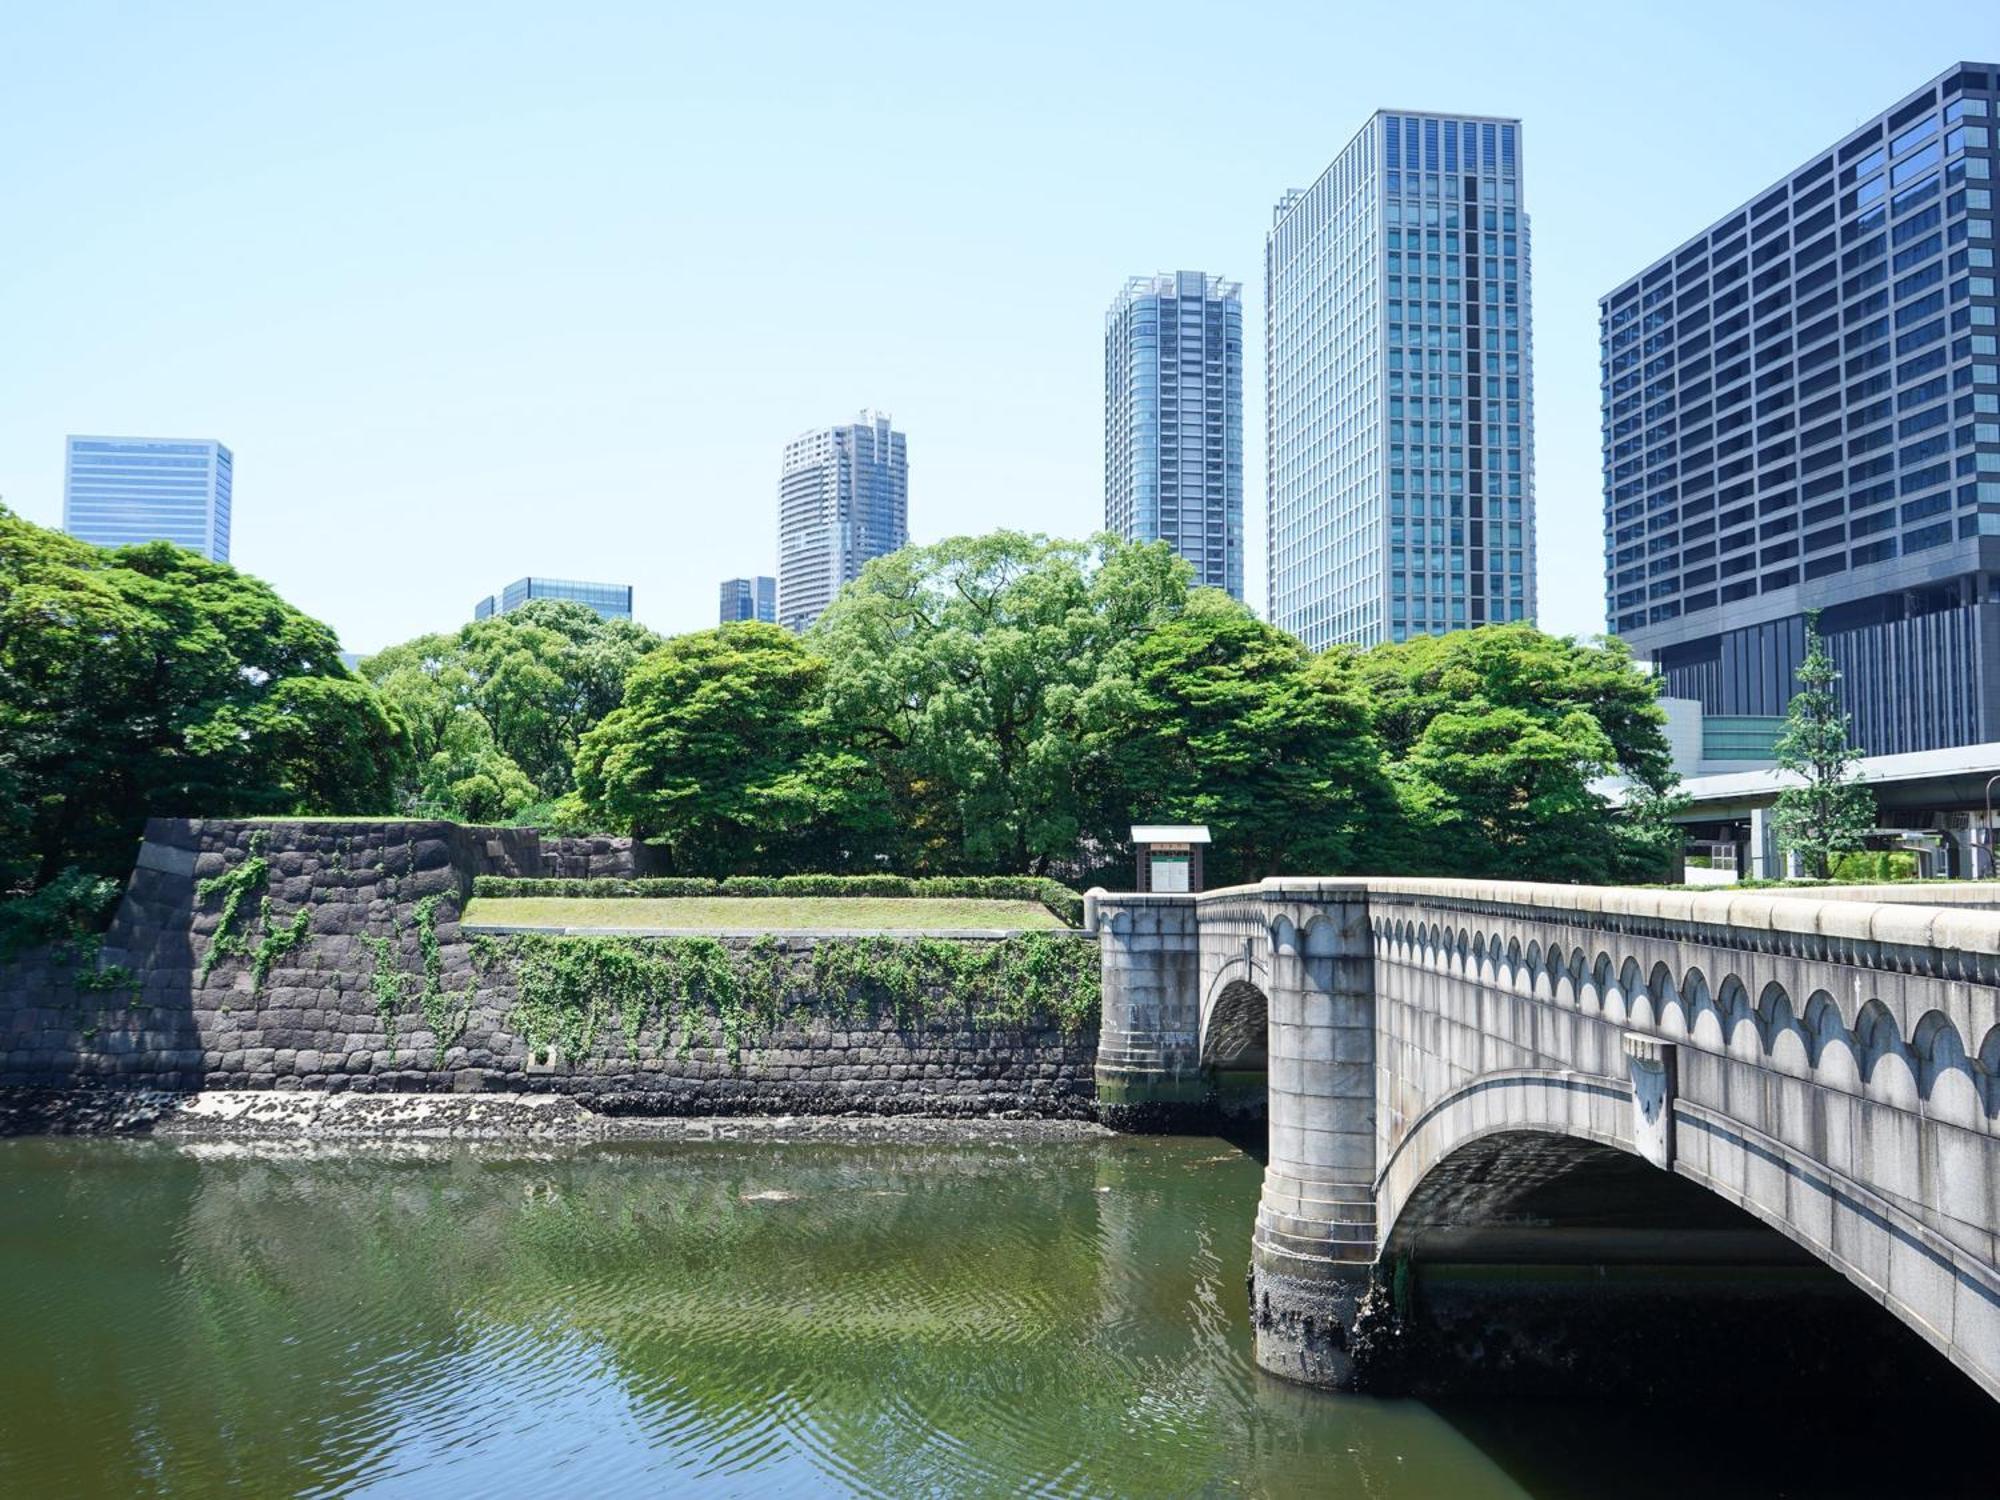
x=1874, y=866
x=1065, y=904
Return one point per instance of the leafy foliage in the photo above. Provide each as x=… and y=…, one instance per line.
x=1830, y=813
x=72, y=909
x=1225, y=720
x=1495, y=740
x=231, y=938
x=690, y=989
x=495, y=712
x=962, y=675
x=717, y=753
x=149, y=680
x=445, y=1014
x=1874, y=866
x=1013, y=704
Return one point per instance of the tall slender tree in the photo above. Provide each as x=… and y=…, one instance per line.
x=1830, y=812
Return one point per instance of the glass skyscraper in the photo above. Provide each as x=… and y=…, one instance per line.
x=1173, y=420
x=611, y=600
x=1399, y=399
x=1802, y=411
x=843, y=497
x=118, y=491
x=749, y=599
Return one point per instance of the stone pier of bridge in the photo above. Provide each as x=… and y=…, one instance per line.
x=1582, y=1083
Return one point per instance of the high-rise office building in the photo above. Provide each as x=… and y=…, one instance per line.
x=1399, y=406
x=611, y=600
x=843, y=497
x=1173, y=420
x=118, y=491
x=749, y=599
x=1802, y=411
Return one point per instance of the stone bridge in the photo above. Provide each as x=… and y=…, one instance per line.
x=1482, y=1074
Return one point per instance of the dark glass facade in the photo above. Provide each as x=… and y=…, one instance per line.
x=748, y=599
x=1801, y=410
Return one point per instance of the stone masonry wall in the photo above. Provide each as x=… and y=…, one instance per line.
x=314, y=1021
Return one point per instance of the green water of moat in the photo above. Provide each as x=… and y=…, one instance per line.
x=727, y=1319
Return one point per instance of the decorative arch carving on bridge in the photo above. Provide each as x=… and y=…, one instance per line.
x=1870, y=1056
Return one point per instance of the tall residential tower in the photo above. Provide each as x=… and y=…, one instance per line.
x=1802, y=411
x=843, y=497
x=1173, y=420
x=1399, y=401
x=122, y=490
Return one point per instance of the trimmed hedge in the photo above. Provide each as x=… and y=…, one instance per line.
x=1056, y=897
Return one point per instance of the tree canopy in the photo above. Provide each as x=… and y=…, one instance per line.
x=1224, y=720
x=1006, y=704
x=1499, y=741
x=717, y=754
x=149, y=680
x=962, y=673
x=496, y=711
x=1013, y=704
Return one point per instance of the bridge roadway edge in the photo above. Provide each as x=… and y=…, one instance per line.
x=1825, y=1061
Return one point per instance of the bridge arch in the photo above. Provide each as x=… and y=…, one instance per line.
x=1531, y=1167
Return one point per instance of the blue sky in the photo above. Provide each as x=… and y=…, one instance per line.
x=480, y=291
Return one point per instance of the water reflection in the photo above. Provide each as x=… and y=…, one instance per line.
x=730, y=1319
x=724, y=1319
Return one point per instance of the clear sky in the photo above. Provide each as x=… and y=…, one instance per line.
x=478, y=291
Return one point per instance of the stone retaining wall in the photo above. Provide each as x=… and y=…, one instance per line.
x=381, y=903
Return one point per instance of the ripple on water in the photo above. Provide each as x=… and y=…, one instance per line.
x=729, y=1319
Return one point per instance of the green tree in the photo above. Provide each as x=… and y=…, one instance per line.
x=149, y=680
x=959, y=672
x=1517, y=666
x=1500, y=741
x=717, y=755
x=1502, y=792
x=496, y=711
x=1830, y=813
x=1227, y=721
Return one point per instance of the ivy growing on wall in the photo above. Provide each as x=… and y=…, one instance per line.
x=385, y=980
x=568, y=988
x=276, y=941
x=444, y=1013
x=234, y=885
x=231, y=938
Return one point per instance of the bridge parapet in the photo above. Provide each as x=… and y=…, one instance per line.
x=1829, y=1065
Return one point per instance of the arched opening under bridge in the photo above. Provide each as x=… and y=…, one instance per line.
x=1235, y=1057
x=1528, y=1261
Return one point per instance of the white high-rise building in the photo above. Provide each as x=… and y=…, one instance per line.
x=1173, y=420
x=843, y=497
x=1399, y=404
x=122, y=490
